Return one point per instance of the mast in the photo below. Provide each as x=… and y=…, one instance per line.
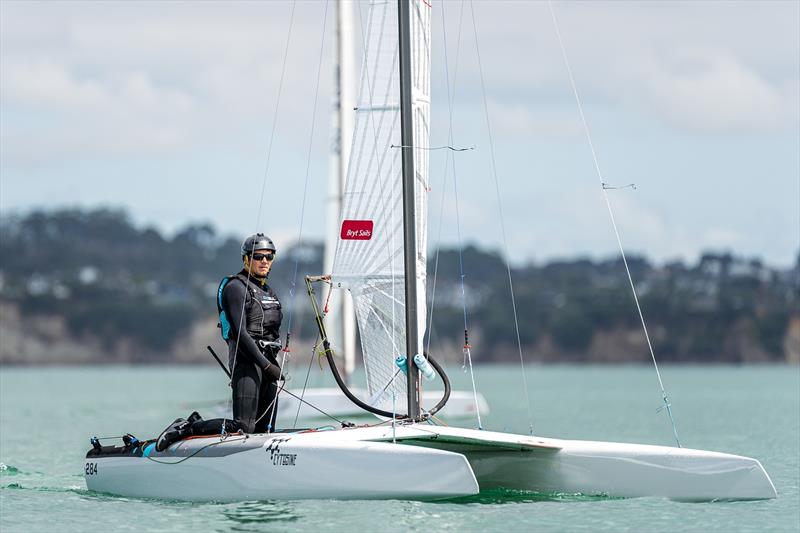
x=342, y=319
x=409, y=215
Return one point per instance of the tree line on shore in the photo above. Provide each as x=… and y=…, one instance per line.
x=108, y=280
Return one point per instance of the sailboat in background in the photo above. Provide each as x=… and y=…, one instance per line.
x=381, y=260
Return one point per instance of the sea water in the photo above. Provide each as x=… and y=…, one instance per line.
x=48, y=414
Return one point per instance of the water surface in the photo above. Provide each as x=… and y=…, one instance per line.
x=48, y=414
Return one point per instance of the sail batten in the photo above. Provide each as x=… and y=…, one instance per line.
x=369, y=258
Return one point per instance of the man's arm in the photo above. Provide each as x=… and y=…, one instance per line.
x=233, y=298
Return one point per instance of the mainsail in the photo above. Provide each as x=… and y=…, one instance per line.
x=369, y=254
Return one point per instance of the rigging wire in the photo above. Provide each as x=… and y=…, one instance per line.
x=266, y=171
x=302, y=401
x=446, y=167
x=293, y=395
x=432, y=148
x=604, y=187
x=292, y=293
x=502, y=218
x=305, y=383
x=466, y=349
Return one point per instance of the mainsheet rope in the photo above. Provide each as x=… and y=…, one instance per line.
x=604, y=187
x=502, y=218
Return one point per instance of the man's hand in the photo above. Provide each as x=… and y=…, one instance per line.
x=272, y=372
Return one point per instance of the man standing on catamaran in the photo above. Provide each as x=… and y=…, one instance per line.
x=250, y=318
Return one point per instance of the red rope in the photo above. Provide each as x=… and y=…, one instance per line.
x=327, y=300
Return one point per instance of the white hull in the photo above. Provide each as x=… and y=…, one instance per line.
x=287, y=467
x=604, y=468
x=424, y=462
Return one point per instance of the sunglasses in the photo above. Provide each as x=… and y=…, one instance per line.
x=259, y=257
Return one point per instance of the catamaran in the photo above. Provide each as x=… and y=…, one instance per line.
x=380, y=260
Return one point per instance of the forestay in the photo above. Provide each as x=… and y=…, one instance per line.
x=369, y=254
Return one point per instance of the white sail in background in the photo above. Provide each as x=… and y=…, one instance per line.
x=369, y=256
x=340, y=321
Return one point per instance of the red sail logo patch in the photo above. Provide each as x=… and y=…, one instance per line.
x=356, y=230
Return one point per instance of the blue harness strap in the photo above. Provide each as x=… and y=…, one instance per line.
x=224, y=325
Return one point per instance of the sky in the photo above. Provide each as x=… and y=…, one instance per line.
x=166, y=109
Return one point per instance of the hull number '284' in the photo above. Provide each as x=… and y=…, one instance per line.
x=91, y=469
x=278, y=458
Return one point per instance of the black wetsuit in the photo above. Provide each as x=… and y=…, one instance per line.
x=254, y=393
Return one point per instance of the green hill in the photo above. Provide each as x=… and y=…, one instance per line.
x=109, y=283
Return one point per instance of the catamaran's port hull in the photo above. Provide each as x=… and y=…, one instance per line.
x=266, y=467
x=421, y=462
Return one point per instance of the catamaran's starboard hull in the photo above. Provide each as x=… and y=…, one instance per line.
x=265, y=467
x=626, y=470
x=502, y=460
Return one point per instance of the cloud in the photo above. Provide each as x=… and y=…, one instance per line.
x=712, y=91
x=721, y=238
x=160, y=75
x=515, y=118
x=64, y=113
x=56, y=87
x=703, y=67
x=50, y=85
x=143, y=92
x=144, y=80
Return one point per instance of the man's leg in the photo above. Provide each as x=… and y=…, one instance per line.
x=245, y=382
x=267, y=406
x=215, y=426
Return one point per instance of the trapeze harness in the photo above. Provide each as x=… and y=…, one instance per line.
x=255, y=305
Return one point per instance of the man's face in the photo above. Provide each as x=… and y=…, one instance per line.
x=259, y=263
